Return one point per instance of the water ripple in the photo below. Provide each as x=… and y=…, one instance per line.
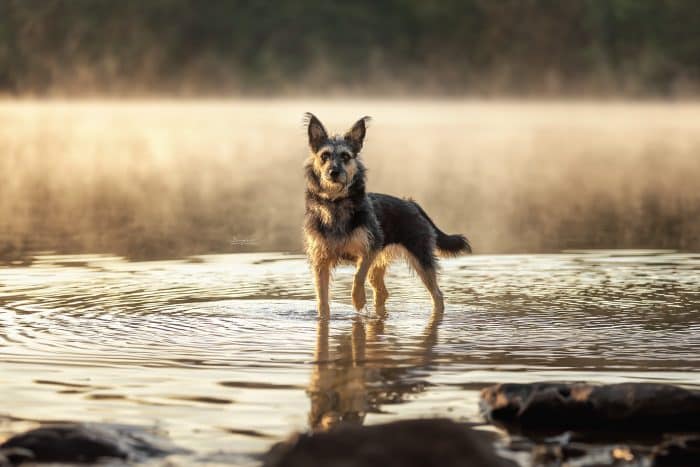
x=227, y=351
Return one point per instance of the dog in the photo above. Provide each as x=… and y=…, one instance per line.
x=344, y=223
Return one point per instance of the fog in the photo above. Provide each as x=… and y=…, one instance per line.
x=161, y=179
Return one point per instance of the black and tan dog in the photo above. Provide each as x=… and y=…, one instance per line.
x=344, y=223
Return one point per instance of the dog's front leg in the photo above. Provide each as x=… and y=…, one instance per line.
x=358, y=286
x=322, y=272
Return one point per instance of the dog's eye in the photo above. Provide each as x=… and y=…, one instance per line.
x=324, y=156
x=346, y=157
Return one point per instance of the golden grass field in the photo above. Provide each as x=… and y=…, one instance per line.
x=152, y=179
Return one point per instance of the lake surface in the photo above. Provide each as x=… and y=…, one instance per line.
x=226, y=355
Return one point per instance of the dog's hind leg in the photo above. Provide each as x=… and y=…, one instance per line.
x=376, y=280
x=322, y=273
x=359, y=299
x=429, y=277
x=422, y=260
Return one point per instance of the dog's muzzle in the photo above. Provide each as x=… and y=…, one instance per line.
x=335, y=177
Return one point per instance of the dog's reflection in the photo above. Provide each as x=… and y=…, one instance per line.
x=362, y=372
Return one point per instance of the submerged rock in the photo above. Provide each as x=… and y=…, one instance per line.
x=407, y=443
x=84, y=443
x=623, y=408
x=679, y=451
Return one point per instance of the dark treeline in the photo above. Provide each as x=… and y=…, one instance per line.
x=480, y=47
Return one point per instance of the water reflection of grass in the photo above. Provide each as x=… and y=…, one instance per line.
x=153, y=179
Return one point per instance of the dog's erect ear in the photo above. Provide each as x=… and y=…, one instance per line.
x=356, y=135
x=317, y=133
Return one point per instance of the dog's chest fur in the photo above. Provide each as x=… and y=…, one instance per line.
x=337, y=230
x=334, y=217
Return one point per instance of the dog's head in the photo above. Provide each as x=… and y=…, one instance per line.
x=334, y=159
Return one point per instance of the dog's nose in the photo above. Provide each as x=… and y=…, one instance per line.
x=334, y=173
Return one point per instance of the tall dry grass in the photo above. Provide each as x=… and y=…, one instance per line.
x=152, y=179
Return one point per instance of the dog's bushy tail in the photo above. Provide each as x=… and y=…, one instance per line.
x=452, y=245
x=447, y=245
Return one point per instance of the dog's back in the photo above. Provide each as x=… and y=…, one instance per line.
x=404, y=223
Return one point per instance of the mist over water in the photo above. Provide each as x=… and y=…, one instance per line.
x=159, y=179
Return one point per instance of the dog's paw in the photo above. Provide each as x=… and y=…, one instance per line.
x=359, y=298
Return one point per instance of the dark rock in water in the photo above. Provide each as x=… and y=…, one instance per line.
x=69, y=443
x=680, y=451
x=628, y=407
x=618, y=424
x=14, y=456
x=84, y=443
x=399, y=444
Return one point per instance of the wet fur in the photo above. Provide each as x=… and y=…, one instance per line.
x=345, y=223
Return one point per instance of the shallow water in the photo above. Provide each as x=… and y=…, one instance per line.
x=225, y=353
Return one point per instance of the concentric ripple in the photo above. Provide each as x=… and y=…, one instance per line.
x=227, y=354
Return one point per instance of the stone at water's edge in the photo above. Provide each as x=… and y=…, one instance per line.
x=409, y=443
x=629, y=424
x=558, y=407
x=84, y=443
x=682, y=451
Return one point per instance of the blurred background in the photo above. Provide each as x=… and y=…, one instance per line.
x=169, y=128
x=388, y=47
